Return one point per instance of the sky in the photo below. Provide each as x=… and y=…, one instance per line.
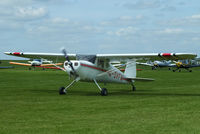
x=99, y=26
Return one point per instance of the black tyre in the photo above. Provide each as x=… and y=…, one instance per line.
x=133, y=88
x=104, y=92
x=62, y=91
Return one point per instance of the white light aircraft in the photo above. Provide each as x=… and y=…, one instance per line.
x=156, y=64
x=98, y=68
x=38, y=62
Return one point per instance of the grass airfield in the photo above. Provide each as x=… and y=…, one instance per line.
x=30, y=103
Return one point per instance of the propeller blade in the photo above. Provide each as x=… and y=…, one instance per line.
x=65, y=54
x=67, y=58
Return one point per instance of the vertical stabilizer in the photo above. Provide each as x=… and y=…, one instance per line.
x=130, y=70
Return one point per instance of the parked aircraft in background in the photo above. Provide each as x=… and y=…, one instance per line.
x=184, y=64
x=98, y=68
x=156, y=64
x=180, y=64
x=37, y=63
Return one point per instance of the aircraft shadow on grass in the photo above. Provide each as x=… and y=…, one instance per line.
x=167, y=94
x=120, y=93
x=136, y=93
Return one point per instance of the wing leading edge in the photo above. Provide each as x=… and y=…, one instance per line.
x=111, y=57
x=50, y=56
x=147, y=56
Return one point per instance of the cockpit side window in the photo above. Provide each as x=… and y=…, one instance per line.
x=101, y=63
x=75, y=63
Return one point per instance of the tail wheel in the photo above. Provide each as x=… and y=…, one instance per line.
x=133, y=88
x=104, y=92
x=62, y=91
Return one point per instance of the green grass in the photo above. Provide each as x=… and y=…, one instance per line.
x=29, y=103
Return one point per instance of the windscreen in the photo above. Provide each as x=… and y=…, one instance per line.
x=90, y=58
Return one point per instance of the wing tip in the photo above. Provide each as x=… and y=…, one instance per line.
x=13, y=53
x=8, y=53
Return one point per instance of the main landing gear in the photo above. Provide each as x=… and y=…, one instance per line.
x=133, y=88
x=104, y=91
x=63, y=90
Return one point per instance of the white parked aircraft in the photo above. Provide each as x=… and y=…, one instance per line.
x=38, y=62
x=98, y=68
x=156, y=64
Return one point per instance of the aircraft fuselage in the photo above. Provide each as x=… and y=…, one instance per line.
x=88, y=71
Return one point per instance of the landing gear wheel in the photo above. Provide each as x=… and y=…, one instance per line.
x=133, y=88
x=104, y=92
x=62, y=91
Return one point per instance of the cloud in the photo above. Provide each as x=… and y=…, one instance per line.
x=128, y=31
x=63, y=31
x=196, y=39
x=190, y=21
x=168, y=8
x=30, y=13
x=181, y=3
x=59, y=20
x=47, y=24
x=56, y=1
x=16, y=3
x=196, y=16
x=150, y=4
x=7, y=25
x=143, y=4
x=21, y=16
x=171, y=31
x=125, y=21
x=21, y=10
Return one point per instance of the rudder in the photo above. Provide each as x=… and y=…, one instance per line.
x=130, y=70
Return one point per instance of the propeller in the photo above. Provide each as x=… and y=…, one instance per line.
x=67, y=58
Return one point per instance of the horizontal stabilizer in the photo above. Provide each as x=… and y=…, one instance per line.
x=141, y=79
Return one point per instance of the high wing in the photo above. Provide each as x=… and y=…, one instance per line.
x=58, y=57
x=146, y=56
